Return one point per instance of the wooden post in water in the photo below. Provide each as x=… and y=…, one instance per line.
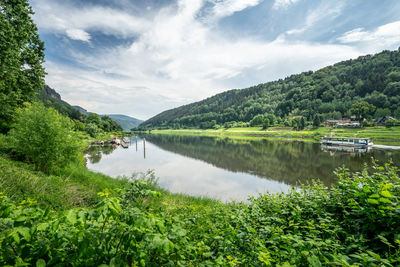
x=144, y=147
x=136, y=142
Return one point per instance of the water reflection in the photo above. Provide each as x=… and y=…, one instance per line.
x=94, y=152
x=229, y=169
x=286, y=161
x=345, y=149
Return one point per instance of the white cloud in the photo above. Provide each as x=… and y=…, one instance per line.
x=355, y=35
x=278, y=4
x=382, y=37
x=175, y=58
x=52, y=17
x=169, y=78
x=78, y=34
x=325, y=12
x=228, y=7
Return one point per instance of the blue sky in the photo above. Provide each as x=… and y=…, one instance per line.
x=142, y=57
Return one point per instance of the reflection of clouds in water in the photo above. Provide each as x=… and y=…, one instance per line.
x=181, y=174
x=214, y=182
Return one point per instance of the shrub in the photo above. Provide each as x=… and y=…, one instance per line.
x=257, y=121
x=353, y=223
x=45, y=138
x=92, y=129
x=391, y=123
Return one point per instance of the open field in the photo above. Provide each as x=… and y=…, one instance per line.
x=379, y=135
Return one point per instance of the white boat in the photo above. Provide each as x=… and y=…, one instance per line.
x=346, y=149
x=115, y=141
x=346, y=141
x=124, y=145
x=126, y=140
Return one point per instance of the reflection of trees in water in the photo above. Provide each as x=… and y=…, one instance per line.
x=94, y=152
x=289, y=162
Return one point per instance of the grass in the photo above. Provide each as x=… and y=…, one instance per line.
x=352, y=224
x=379, y=135
x=72, y=186
x=75, y=186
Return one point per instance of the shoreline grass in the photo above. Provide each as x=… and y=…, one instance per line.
x=379, y=135
x=351, y=224
x=73, y=187
x=84, y=218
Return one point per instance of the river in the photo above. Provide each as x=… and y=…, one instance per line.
x=229, y=169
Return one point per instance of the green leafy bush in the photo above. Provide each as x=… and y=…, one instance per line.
x=92, y=129
x=45, y=138
x=391, y=123
x=354, y=223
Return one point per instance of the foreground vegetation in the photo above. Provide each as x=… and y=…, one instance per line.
x=354, y=223
x=54, y=212
x=380, y=135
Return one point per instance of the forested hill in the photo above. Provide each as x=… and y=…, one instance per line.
x=126, y=122
x=51, y=98
x=328, y=93
x=90, y=122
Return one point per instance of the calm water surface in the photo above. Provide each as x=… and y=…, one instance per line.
x=229, y=169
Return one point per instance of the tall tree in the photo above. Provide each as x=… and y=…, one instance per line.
x=362, y=109
x=21, y=58
x=316, y=121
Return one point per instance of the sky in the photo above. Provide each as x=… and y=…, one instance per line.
x=141, y=57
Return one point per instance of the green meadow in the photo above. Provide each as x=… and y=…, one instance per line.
x=379, y=135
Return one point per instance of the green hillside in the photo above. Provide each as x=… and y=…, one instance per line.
x=51, y=98
x=328, y=93
x=91, y=123
x=126, y=122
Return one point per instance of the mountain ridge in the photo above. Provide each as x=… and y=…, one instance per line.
x=51, y=98
x=329, y=92
x=126, y=122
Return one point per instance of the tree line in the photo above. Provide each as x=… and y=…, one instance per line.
x=91, y=123
x=366, y=87
x=22, y=74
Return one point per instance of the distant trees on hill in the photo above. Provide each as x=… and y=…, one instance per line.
x=91, y=123
x=329, y=93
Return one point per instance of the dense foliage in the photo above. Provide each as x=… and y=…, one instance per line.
x=45, y=138
x=91, y=123
x=50, y=98
x=355, y=223
x=22, y=73
x=328, y=93
x=21, y=58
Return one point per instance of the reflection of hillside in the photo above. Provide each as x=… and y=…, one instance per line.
x=95, y=152
x=289, y=162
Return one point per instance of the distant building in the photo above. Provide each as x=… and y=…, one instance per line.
x=331, y=123
x=345, y=123
x=381, y=121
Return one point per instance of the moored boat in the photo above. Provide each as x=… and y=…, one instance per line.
x=115, y=141
x=346, y=141
x=126, y=140
x=124, y=145
x=345, y=149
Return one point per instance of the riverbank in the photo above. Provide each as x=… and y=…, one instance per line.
x=138, y=224
x=379, y=135
x=76, y=217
